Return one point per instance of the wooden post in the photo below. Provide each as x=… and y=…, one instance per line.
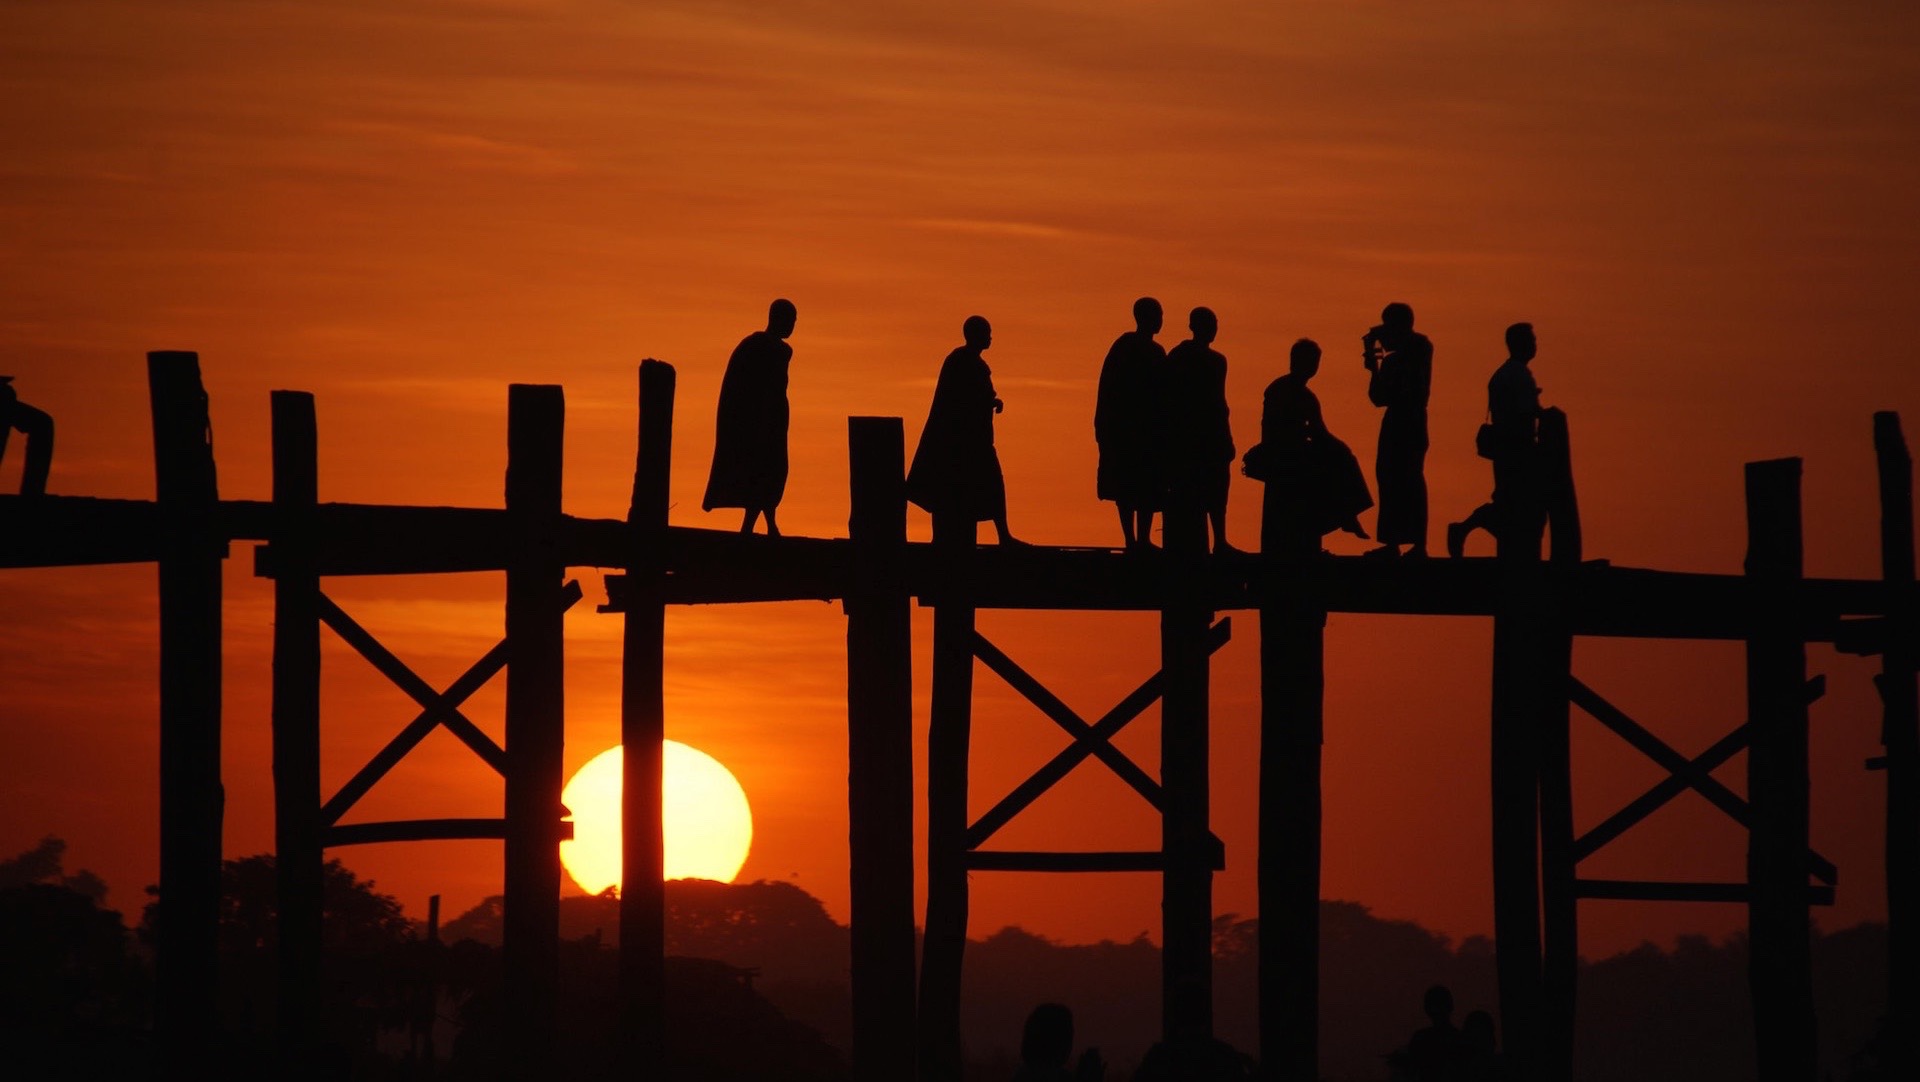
x=1186, y=899
x=535, y=740
x=949, y=732
x=643, y=933
x=298, y=853
x=1559, y=907
x=191, y=798
x=1900, y=732
x=1518, y=685
x=880, y=752
x=1292, y=700
x=1780, y=971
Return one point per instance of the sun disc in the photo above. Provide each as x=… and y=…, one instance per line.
x=704, y=813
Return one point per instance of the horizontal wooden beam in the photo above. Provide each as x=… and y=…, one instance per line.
x=997, y=860
x=1639, y=890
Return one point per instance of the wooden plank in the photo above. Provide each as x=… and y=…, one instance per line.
x=1900, y=728
x=949, y=731
x=1780, y=972
x=880, y=784
x=1084, y=743
x=1640, y=890
x=191, y=798
x=643, y=941
x=404, y=678
x=535, y=711
x=1186, y=896
x=298, y=856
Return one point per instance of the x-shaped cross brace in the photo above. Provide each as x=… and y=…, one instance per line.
x=1682, y=774
x=1095, y=739
x=436, y=707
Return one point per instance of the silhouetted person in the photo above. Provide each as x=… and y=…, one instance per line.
x=37, y=427
x=1483, y=1060
x=1513, y=409
x=750, y=429
x=1314, y=484
x=1126, y=424
x=1401, y=363
x=1199, y=438
x=1047, y=1043
x=1438, y=1052
x=956, y=472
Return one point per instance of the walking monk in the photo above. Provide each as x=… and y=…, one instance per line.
x=750, y=431
x=956, y=472
x=1124, y=424
x=1401, y=362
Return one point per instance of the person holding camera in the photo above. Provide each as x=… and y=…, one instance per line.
x=1400, y=362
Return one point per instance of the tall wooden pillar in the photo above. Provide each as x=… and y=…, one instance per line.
x=535, y=740
x=880, y=753
x=1186, y=838
x=191, y=797
x=643, y=935
x=298, y=853
x=1292, y=697
x=1518, y=683
x=949, y=733
x=1900, y=732
x=1559, y=907
x=1780, y=971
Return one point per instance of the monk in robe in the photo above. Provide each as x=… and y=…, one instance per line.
x=750, y=431
x=1401, y=363
x=1126, y=425
x=1314, y=484
x=1516, y=514
x=37, y=427
x=956, y=472
x=1199, y=450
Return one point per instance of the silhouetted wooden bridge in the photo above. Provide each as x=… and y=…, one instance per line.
x=1539, y=606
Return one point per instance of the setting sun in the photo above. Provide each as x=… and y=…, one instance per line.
x=708, y=824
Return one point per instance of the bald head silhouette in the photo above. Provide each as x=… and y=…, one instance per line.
x=781, y=315
x=1147, y=316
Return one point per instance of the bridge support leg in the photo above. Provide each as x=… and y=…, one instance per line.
x=1186, y=837
x=949, y=733
x=1559, y=906
x=643, y=942
x=1781, y=967
x=191, y=799
x=1292, y=692
x=298, y=853
x=1900, y=732
x=880, y=753
x=530, y=947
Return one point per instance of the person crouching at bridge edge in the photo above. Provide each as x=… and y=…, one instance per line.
x=1200, y=438
x=1314, y=484
x=37, y=427
x=750, y=429
x=1510, y=438
x=1125, y=424
x=956, y=472
x=1401, y=365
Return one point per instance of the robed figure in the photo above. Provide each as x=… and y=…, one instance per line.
x=1401, y=363
x=956, y=475
x=1511, y=440
x=1199, y=446
x=750, y=430
x=1127, y=425
x=1314, y=484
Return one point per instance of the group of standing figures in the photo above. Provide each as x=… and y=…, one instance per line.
x=1166, y=444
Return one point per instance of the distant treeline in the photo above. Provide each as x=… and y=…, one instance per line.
x=759, y=986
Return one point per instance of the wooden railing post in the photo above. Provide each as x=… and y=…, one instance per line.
x=1186, y=906
x=191, y=797
x=880, y=752
x=535, y=738
x=298, y=853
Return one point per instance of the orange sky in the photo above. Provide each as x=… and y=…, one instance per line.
x=1705, y=208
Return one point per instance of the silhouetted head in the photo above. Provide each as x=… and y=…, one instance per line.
x=1048, y=1038
x=1204, y=325
x=1147, y=316
x=1304, y=359
x=1438, y=1003
x=1397, y=316
x=1520, y=344
x=780, y=318
x=978, y=332
x=1478, y=1031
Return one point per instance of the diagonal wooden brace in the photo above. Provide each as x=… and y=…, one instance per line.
x=1683, y=774
x=1087, y=739
x=437, y=708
